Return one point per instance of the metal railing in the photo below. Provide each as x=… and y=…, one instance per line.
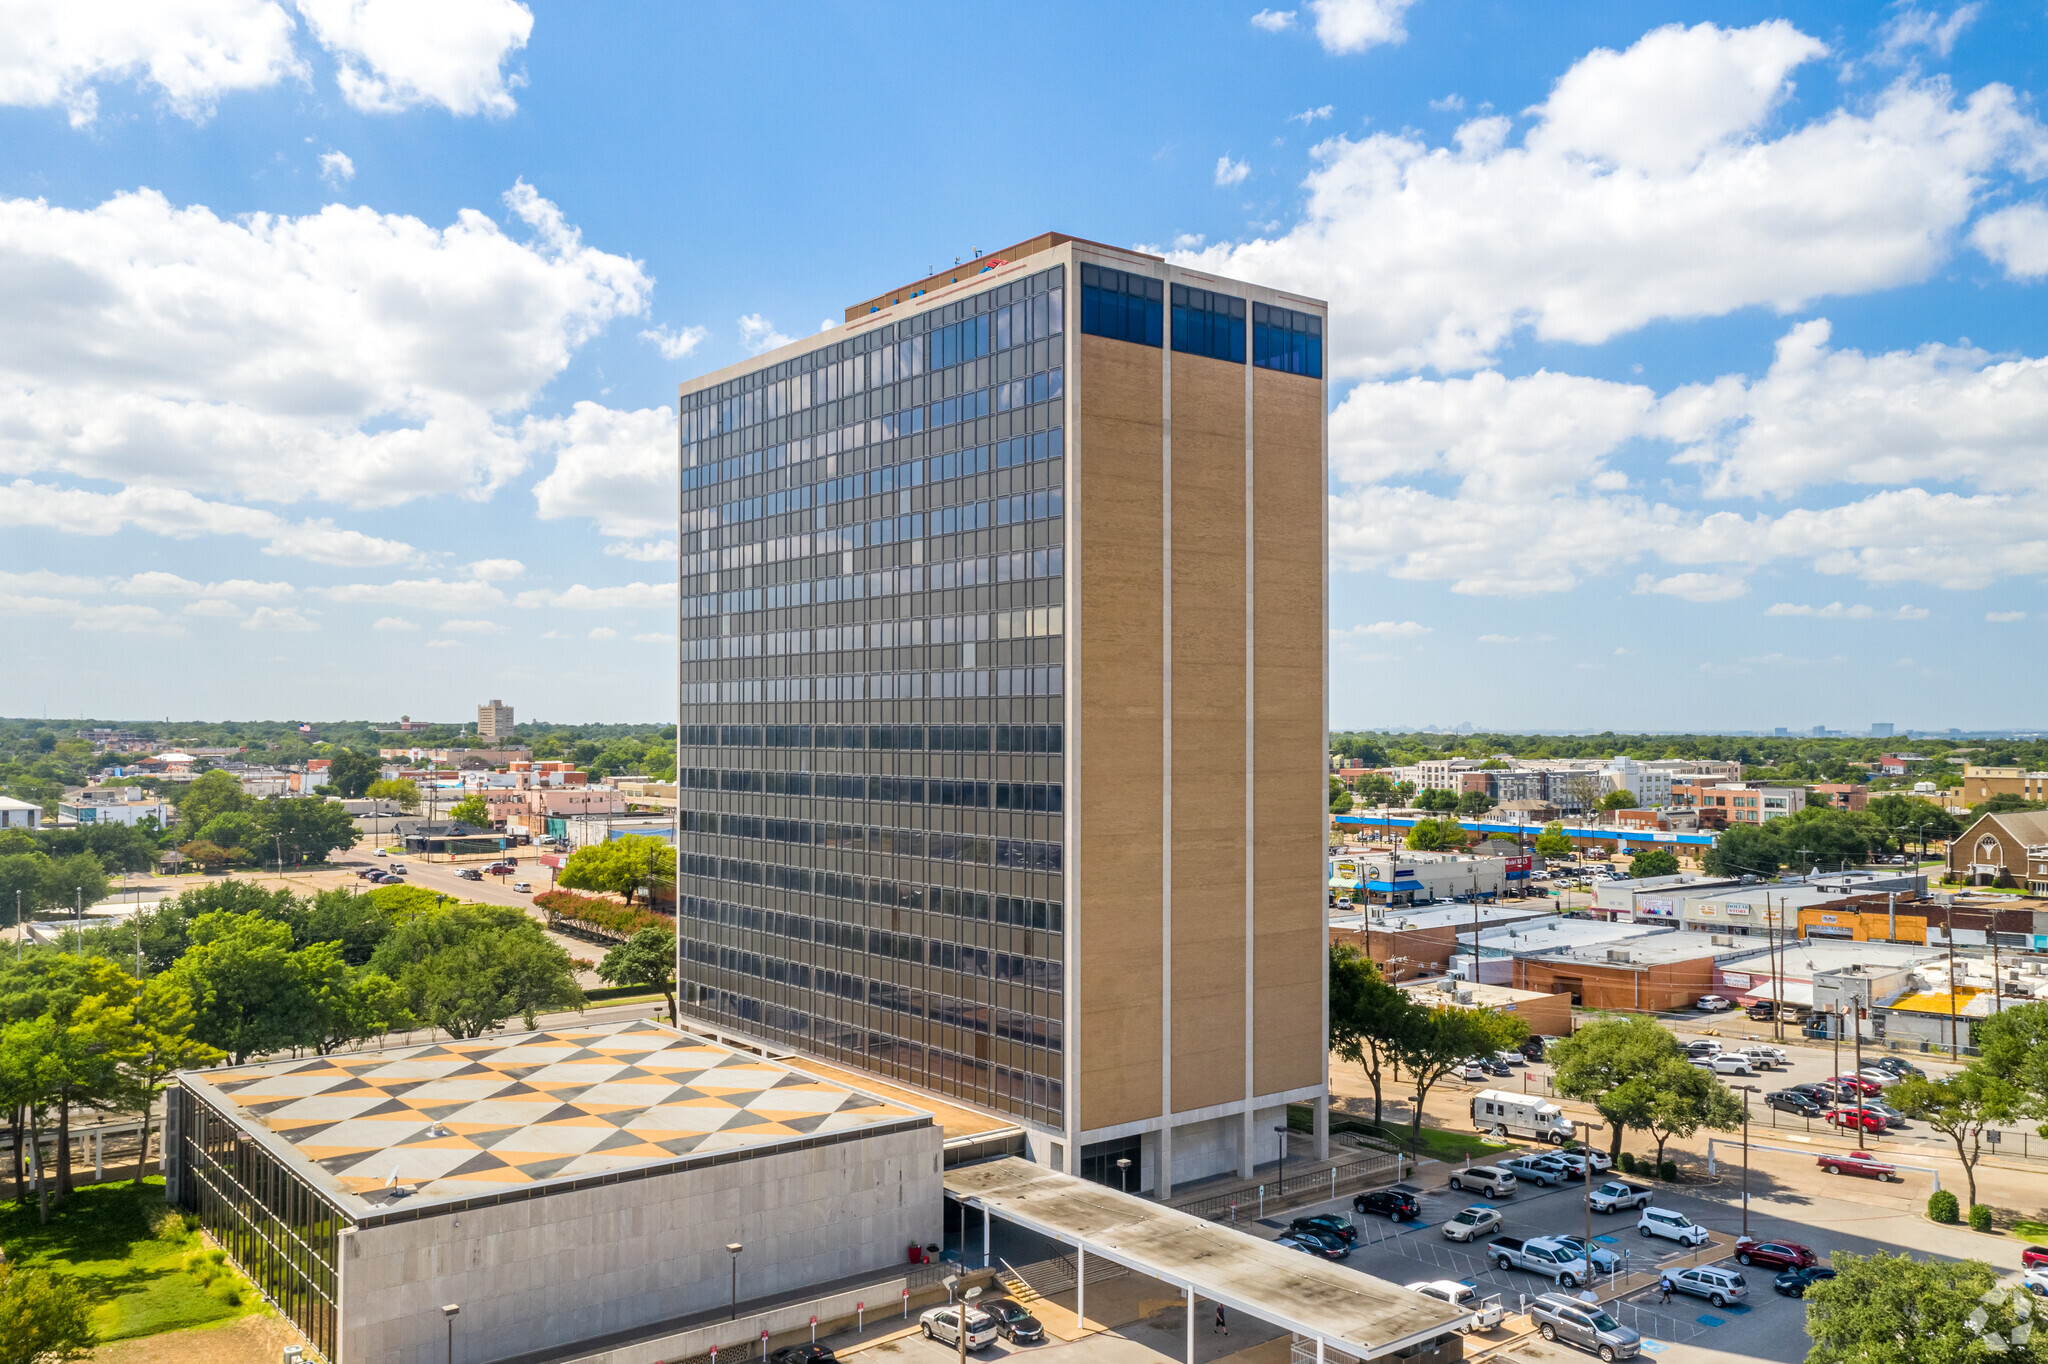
x=1289, y=1191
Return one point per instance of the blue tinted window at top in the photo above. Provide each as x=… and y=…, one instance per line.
x=1286, y=340
x=1122, y=306
x=1206, y=323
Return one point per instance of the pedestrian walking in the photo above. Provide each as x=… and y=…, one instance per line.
x=1221, y=1324
x=1664, y=1288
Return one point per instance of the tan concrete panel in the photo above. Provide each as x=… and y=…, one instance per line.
x=1208, y=732
x=1288, y=711
x=1117, y=494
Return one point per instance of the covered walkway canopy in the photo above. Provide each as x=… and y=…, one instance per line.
x=1341, y=1309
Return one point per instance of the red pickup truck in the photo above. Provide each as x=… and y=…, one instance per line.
x=1858, y=1163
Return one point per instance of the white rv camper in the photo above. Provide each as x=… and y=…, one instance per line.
x=1520, y=1115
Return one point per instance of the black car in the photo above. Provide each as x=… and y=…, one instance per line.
x=1494, y=1065
x=1820, y=1094
x=1793, y=1283
x=1326, y=1244
x=1387, y=1203
x=810, y=1353
x=1328, y=1222
x=1763, y=1011
x=1532, y=1048
x=1796, y=1103
x=1013, y=1323
x=1898, y=1066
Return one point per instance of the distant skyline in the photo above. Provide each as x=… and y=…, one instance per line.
x=1691, y=362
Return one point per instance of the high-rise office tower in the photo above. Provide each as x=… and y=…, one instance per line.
x=1002, y=726
x=494, y=721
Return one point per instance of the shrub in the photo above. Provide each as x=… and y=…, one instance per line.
x=1980, y=1217
x=597, y=917
x=1943, y=1207
x=1627, y=1162
x=1668, y=1171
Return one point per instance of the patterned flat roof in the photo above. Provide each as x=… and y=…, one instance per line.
x=461, y=1120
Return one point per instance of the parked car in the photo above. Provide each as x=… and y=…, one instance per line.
x=810, y=1352
x=1892, y=1117
x=1819, y=1093
x=2035, y=1281
x=1793, y=1283
x=472, y=874
x=1586, y=1325
x=1013, y=1323
x=1577, y=1166
x=1702, y=1046
x=1763, y=1010
x=1760, y=1058
x=1327, y=1244
x=1329, y=1222
x=1542, y=1170
x=1485, y=1315
x=1532, y=1049
x=398, y=869
x=1391, y=1204
x=1897, y=1065
x=1717, y=1285
x=1713, y=1004
x=1672, y=1226
x=1473, y=1223
x=499, y=869
x=1304, y=1244
x=1472, y=1072
x=1599, y=1160
x=1860, y=1163
x=1774, y=1254
x=1725, y=1063
x=1604, y=1260
x=1796, y=1103
x=1856, y=1084
x=1490, y=1180
x=1853, y=1118
x=1545, y=1255
x=1617, y=1196
x=2034, y=1257
x=522, y=888
x=943, y=1324
x=1883, y=1079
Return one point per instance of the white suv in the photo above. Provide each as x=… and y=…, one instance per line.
x=1672, y=1226
x=943, y=1324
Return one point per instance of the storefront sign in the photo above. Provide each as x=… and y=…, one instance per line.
x=1738, y=979
x=1658, y=908
x=1738, y=909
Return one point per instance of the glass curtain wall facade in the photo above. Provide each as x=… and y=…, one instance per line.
x=284, y=1236
x=870, y=821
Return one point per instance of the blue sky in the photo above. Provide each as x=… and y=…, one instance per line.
x=1689, y=358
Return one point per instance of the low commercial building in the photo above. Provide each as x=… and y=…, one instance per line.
x=1658, y=972
x=1405, y=942
x=1410, y=878
x=1548, y=1015
x=19, y=814
x=114, y=807
x=1500, y=948
x=557, y=1186
x=1982, y=783
x=1651, y=897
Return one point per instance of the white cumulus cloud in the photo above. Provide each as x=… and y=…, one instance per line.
x=2004, y=617
x=621, y=597
x=1652, y=183
x=674, y=345
x=399, y=54
x=617, y=468
x=336, y=168
x=56, y=53
x=1344, y=26
x=758, y=334
x=1835, y=610
x=2016, y=238
x=1273, y=20
x=180, y=515
x=1230, y=172
x=396, y=624
x=280, y=618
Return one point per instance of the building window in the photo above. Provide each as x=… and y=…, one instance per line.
x=1206, y=323
x=1286, y=340
x=1121, y=305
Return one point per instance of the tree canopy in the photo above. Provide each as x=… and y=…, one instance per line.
x=1613, y=1064
x=1654, y=862
x=624, y=866
x=1437, y=835
x=1901, y=1309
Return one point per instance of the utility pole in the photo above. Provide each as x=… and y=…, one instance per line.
x=1948, y=911
x=78, y=917
x=1857, y=1018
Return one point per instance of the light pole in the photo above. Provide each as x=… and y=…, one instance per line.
x=280, y=854
x=1123, y=1165
x=733, y=1248
x=451, y=1311
x=966, y=1306
x=78, y=924
x=1282, y=1130
x=1747, y=1090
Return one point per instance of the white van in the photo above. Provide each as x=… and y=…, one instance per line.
x=1520, y=1115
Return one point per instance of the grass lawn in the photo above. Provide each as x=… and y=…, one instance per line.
x=145, y=1270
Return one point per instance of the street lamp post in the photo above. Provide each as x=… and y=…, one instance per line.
x=966, y=1306
x=1282, y=1130
x=1123, y=1165
x=733, y=1249
x=451, y=1311
x=78, y=921
x=1747, y=1090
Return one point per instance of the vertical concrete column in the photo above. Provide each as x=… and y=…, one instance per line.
x=1322, y=1125
x=1080, y=1286
x=985, y=1262
x=1162, y=1180
x=1191, y=1324
x=1247, y=1144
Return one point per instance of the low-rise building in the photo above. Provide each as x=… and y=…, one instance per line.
x=19, y=814
x=1547, y=1015
x=1406, y=941
x=114, y=805
x=1842, y=795
x=1657, y=971
x=1982, y=783
x=2003, y=849
x=1407, y=878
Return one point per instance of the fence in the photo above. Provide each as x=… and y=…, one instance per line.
x=1287, y=1191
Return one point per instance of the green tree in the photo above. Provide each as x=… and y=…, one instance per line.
x=1440, y=1038
x=215, y=794
x=1654, y=862
x=1960, y=1107
x=22, y=882
x=1443, y=802
x=355, y=923
x=45, y=1318
x=1679, y=1099
x=345, y=1004
x=1376, y=788
x=2006, y=803
x=238, y=831
x=69, y=882
x=1907, y=821
x=1619, y=800
x=1742, y=849
x=1597, y=1062
x=307, y=828
x=2013, y=1046
x=468, y=968
x=1901, y=1309
x=472, y=810
x=1553, y=841
x=1368, y=1017
x=1436, y=835
x=29, y=1072
x=647, y=958
x=621, y=865
x=349, y=773
x=247, y=994
x=164, y=1045
x=1473, y=804
x=402, y=790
